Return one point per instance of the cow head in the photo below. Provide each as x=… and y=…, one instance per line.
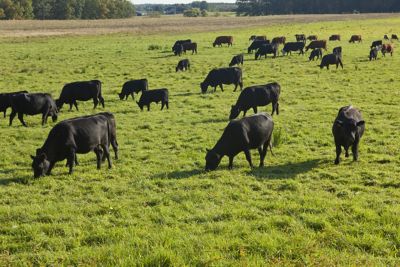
x=350, y=128
x=214, y=44
x=121, y=96
x=40, y=164
x=203, y=87
x=140, y=104
x=59, y=103
x=212, y=160
x=234, y=112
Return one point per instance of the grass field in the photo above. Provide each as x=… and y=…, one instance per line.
x=157, y=207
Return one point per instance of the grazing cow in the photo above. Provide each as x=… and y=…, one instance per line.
x=394, y=37
x=312, y=38
x=180, y=42
x=337, y=51
x=386, y=37
x=300, y=38
x=218, y=77
x=183, y=65
x=331, y=59
x=5, y=100
x=189, y=46
x=267, y=49
x=279, y=40
x=377, y=44
x=317, y=44
x=255, y=45
x=178, y=50
x=334, y=37
x=258, y=38
x=256, y=96
x=355, y=38
x=82, y=91
x=223, y=40
x=33, y=104
x=293, y=46
x=316, y=53
x=347, y=130
x=131, y=87
x=387, y=48
x=373, y=54
x=76, y=136
x=242, y=135
x=236, y=60
x=156, y=95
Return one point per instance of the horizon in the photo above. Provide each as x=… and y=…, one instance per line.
x=169, y=2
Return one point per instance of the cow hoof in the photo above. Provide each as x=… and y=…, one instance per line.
x=336, y=162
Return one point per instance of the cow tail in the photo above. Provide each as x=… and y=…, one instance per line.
x=101, y=99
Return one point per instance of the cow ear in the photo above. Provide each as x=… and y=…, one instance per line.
x=32, y=157
x=360, y=123
x=339, y=123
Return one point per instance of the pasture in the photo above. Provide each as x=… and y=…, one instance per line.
x=157, y=207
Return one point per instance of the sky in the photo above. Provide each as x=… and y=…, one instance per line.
x=175, y=1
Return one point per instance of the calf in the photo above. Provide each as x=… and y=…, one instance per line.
x=82, y=91
x=317, y=44
x=236, y=60
x=5, y=100
x=33, y=104
x=183, y=65
x=279, y=40
x=223, y=40
x=293, y=46
x=377, y=44
x=347, y=130
x=387, y=48
x=300, y=38
x=373, y=54
x=242, y=135
x=334, y=37
x=256, y=96
x=331, y=59
x=189, y=46
x=394, y=37
x=156, y=95
x=76, y=136
x=355, y=38
x=180, y=42
x=267, y=49
x=218, y=77
x=316, y=53
x=131, y=87
x=312, y=38
x=255, y=45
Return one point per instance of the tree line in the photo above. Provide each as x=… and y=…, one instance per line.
x=274, y=7
x=66, y=9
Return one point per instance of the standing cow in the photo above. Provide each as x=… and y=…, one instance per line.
x=255, y=45
x=241, y=136
x=331, y=59
x=223, y=40
x=394, y=37
x=5, y=100
x=373, y=54
x=317, y=44
x=183, y=65
x=180, y=42
x=387, y=48
x=355, y=38
x=155, y=95
x=189, y=47
x=236, y=60
x=218, y=77
x=292, y=47
x=316, y=53
x=267, y=49
x=300, y=38
x=347, y=129
x=133, y=86
x=334, y=37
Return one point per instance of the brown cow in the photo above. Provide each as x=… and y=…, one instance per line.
x=317, y=44
x=258, y=38
x=312, y=38
x=300, y=38
x=279, y=40
x=355, y=38
x=334, y=37
x=190, y=46
x=223, y=40
x=386, y=37
x=387, y=48
x=394, y=37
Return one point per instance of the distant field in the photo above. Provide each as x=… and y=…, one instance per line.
x=157, y=207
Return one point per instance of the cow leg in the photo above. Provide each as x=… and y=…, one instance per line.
x=255, y=109
x=44, y=117
x=95, y=102
x=354, y=149
x=106, y=151
x=12, y=116
x=148, y=107
x=71, y=160
x=5, y=113
x=338, y=152
x=230, y=162
x=132, y=95
x=162, y=105
x=236, y=85
x=166, y=103
x=241, y=86
x=346, y=149
x=51, y=166
x=115, y=147
x=248, y=157
x=99, y=155
x=21, y=118
x=277, y=108
x=262, y=156
x=101, y=99
x=222, y=87
x=244, y=113
x=70, y=106
x=273, y=108
x=76, y=105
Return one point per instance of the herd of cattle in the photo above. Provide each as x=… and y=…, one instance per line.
x=98, y=132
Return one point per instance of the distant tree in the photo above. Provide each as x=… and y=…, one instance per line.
x=16, y=9
x=192, y=12
x=202, y=5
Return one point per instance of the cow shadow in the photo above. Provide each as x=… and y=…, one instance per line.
x=187, y=94
x=284, y=171
x=13, y=180
x=178, y=174
x=166, y=56
x=210, y=121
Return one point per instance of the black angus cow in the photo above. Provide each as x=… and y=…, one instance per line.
x=180, y=42
x=5, y=100
x=377, y=44
x=183, y=65
x=337, y=50
x=394, y=37
x=218, y=77
x=316, y=53
x=133, y=86
x=347, y=130
x=334, y=37
x=257, y=37
x=223, y=40
x=355, y=38
x=155, y=95
x=236, y=60
x=255, y=45
x=317, y=44
x=82, y=91
x=178, y=50
x=267, y=49
x=240, y=136
x=292, y=47
x=386, y=37
x=33, y=104
x=373, y=54
x=189, y=47
x=76, y=136
x=256, y=96
x=331, y=59
x=301, y=38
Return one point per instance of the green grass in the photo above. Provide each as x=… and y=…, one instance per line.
x=157, y=207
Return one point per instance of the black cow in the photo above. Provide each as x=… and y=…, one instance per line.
x=373, y=53
x=236, y=60
x=218, y=77
x=133, y=86
x=256, y=96
x=317, y=44
x=301, y=38
x=5, y=100
x=347, y=130
x=386, y=37
x=267, y=49
x=183, y=64
x=156, y=95
x=76, y=136
x=377, y=44
x=255, y=45
x=293, y=46
x=394, y=37
x=33, y=104
x=242, y=135
x=82, y=91
x=337, y=51
x=331, y=59
x=189, y=46
x=178, y=50
x=180, y=42
x=316, y=53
